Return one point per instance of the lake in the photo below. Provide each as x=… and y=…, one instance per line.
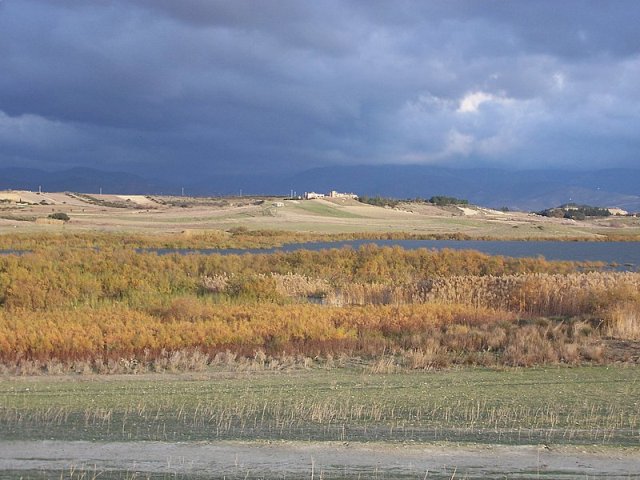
x=625, y=254
x=621, y=253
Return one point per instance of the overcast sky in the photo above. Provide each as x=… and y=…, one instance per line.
x=180, y=86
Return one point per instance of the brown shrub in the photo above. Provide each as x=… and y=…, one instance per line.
x=623, y=321
x=530, y=346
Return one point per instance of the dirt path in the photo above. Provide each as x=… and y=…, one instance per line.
x=302, y=460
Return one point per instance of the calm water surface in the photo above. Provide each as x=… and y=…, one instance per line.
x=621, y=253
x=626, y=254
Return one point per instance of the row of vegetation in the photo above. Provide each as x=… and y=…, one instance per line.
x=439, y=200
x=102, y=202
x=570, y=211
x=113, y=309
x=236, y=237
x=443, y=200
x=379, y=201
x=575, y=212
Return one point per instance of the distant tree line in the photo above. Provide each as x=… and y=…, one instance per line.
x=439, y=200
x=442, y=201
x=575, y=212
x=379, y=201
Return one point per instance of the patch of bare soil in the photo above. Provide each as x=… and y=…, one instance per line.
x=625, y=351
x=306, y=460
x=426, y=209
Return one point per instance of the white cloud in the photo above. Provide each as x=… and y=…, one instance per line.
x=471, y=102
x=559, y=80
x=458, y=144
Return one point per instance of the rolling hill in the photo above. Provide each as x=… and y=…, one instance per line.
x=522, y=190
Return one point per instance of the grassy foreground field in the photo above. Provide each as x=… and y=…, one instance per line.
x=587, y=405
x=453, y=411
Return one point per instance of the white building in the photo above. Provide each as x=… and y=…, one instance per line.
x=617, y=211
x=334, y=194
x=312, y=195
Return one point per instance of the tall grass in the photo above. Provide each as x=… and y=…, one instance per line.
x=109, y=310
x=239, y=237
x=412, y=336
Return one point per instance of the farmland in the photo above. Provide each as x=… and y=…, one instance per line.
x=157, y=215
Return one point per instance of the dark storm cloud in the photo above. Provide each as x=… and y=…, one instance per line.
x=287, y=85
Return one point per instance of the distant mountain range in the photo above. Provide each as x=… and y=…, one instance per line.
x=523, y=190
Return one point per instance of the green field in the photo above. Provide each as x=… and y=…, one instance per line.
x=325, y=210
x=586, y=405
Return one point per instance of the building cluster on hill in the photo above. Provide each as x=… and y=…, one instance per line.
x=331, y=194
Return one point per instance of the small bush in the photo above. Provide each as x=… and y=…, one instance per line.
x=254, y=287
x=443, y=201
x=60, y=216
